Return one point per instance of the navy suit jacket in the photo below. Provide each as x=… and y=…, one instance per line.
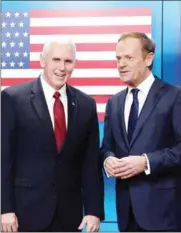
x=155, y=198
x=36, y=178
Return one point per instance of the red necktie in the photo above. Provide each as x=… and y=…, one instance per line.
x=59, y=120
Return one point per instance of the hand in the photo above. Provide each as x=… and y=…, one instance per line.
x=9, y=222
x=92, y=223
x=130, y=166
x=111, y=164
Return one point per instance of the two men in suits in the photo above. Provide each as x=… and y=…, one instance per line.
x=51, y=168
x=141, y=147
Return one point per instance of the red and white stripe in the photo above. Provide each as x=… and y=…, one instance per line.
x=95, y=33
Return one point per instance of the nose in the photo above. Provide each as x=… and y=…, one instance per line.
x=121, y=63
x=61, y=65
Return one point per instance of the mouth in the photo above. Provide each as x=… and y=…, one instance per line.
x=60, y=75
x=124, y=72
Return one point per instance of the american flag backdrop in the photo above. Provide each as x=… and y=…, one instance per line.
x=95, y=32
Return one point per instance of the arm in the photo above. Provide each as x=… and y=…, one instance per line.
x=108, y=144
x=9, y=221
x=169, y=159
x=8, y=129
x=93, y=187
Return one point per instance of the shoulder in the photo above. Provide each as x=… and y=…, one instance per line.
x=120, y=94
x=173, y=91
x=18, y=90
x=81, y=96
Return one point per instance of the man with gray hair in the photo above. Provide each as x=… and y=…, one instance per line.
x=51, y=170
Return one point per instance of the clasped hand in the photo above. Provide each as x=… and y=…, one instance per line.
x=125, y=167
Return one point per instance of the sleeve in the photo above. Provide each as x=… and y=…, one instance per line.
x=8, y=141
x=169, y=159
x=93, y=186
x=108, y=143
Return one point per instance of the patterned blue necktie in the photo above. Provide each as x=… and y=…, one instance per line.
x=133, y=116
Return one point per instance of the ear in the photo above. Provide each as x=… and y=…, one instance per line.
x=149, y=59
x=42, y=61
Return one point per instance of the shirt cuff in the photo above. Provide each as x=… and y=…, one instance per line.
x=148, y=169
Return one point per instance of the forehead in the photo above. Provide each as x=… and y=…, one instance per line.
x=129, y=46
x=60, y=50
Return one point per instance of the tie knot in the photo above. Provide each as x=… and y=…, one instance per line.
x=135, y=92
x=56, y=95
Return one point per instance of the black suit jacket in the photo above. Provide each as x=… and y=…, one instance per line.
x=36, y=179
x=156, y=198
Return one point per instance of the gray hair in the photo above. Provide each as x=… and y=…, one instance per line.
x=62, y=41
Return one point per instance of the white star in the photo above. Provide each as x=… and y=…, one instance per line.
x=21, y=44
x=12, y=24
x=8, y=34
x=12, y=64
x=25, y=14
x=25, y=34
x=25, y=54
x=21, y=64
x=8, y=14
x=21, y=24
x=12, y=44
x=3, y=64
x=3, y=44
x=16, y=34
x=8, y=54
x=16, y=14
x=16, y=54
x=3, y=24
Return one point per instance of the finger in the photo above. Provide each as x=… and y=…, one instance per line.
x=16, y=223
x=126, y=177
x=121, y=169
x=81, y=226
x=14, y=228
x=9, y=229
x=110, y=171
x=112, y=162
x=95, y=228
x=89, y=228
x=111, y=166
x=4, y=228
x=124, y=173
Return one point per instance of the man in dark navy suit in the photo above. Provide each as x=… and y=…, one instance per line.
x=51, y=168
x=142, y=142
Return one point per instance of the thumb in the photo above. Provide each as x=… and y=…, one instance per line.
x=83, y=223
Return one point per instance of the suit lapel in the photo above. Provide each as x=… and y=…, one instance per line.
x=153, y=97
x=121, y=120
x=72, y=113
x=39, y=104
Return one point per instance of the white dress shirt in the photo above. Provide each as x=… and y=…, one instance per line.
x=144, y=89
x=48, y=93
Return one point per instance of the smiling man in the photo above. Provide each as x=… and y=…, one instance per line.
x=51, y=169
x=142, y=141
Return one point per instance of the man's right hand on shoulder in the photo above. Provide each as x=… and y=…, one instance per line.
x=9, y=222
x=110, y=164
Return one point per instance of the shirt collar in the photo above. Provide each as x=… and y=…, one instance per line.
x=49, y=91
x=145, y=86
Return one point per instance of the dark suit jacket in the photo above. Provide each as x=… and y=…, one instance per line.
x=156, y=198
x=35, y=177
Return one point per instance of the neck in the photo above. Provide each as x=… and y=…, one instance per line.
x=137, y=82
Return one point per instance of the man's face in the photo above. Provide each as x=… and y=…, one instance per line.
x=133, y=64
x=58, y=63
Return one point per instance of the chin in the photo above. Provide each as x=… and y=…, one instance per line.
x=126, y=80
